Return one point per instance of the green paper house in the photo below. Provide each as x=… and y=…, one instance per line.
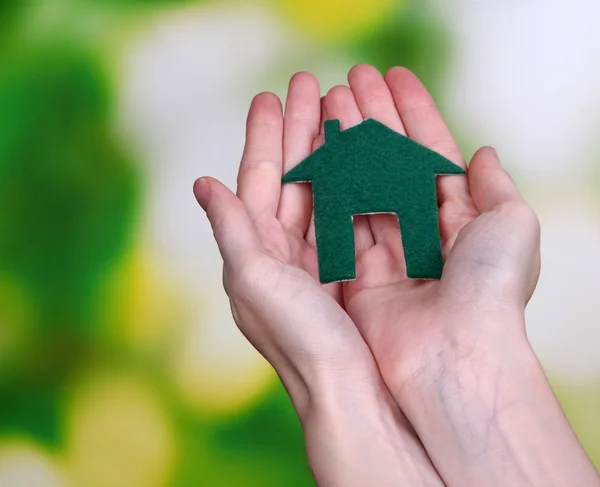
x=371, y=169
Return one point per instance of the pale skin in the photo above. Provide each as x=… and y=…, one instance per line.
x=396, y=381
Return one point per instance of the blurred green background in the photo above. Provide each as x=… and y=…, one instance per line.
x=119, y=362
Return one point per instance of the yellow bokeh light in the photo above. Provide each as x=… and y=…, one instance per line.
x=118, y=435
x=16, y=331
x=143, y=306
x=580, y=399
x=337, y=19
x=209, y=390
x=213, y=367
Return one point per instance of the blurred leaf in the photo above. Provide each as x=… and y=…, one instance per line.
x=68, y=196
x=15, y=327
x=31, y=409
x=269, y=434
x=143, y=3
x=10, y=11
x=67, y=191
x=336, y=19
x=263, y=447
x=9, y=8
x=413, y=37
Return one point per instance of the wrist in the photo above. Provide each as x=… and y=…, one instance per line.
x=490, y=400
x=483, y=368
x=322, y=389
x=358, y=437
x=469, y=352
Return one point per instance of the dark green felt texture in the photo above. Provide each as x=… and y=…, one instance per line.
x=366, y=169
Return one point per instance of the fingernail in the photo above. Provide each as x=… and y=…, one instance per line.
x=202, y=192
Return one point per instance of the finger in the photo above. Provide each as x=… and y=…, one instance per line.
x=318, y=142
x=310, y=231
x=301, y=127
x=373, y=97
x=509, y=247
x=424, y=124
x=375, y=101
x=259, y=177
x=490, y=185
x=233, y=229
x=341, y=105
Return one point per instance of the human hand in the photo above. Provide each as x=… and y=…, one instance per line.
x=355, y=432
x=490, y=236
x=453, y=352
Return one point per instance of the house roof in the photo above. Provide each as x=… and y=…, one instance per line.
x=370, y=146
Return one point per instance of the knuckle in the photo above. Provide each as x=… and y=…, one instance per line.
x=218, y=225
x=379, y=102
x=523, y=213
x=258, y=165
x=418, y=107
x=246, y=279
x=447, y=148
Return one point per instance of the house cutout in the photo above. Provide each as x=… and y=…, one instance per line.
x=368, y=169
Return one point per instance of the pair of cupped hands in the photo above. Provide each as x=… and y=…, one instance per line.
x=396, y=381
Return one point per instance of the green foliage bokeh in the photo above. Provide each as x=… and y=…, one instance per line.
x=70, y=206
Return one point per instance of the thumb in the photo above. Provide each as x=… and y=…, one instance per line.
x=233, y=230
x=489, y=183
